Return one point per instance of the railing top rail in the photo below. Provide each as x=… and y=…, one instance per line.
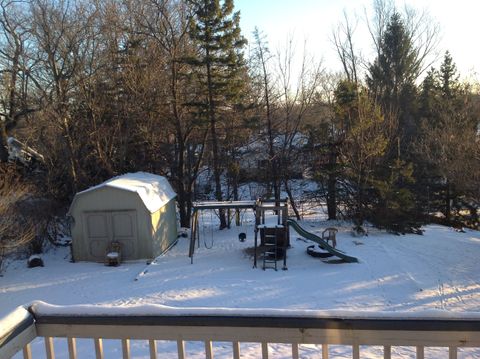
x=13, y=324
x=156, y=315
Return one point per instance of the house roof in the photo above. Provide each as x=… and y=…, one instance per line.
x=154, y=190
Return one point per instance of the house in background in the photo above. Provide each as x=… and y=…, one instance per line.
x=136, y=209
x=21, y=152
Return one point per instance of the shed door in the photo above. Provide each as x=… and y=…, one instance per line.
x=124, y=230
x=97, y=232
x=106, y=226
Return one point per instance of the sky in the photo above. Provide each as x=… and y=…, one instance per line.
x=313, y=21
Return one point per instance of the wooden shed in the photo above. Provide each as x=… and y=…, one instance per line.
x=136, y=209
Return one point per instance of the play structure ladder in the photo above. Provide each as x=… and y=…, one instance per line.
x=271, y=250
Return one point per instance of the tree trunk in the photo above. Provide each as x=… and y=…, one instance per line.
x=331, y=196
x=179, y=166
x=71, y=153
x=331, y=186
x=3, y=142
x=215, y=153
x=292, y=200
x=448, y=209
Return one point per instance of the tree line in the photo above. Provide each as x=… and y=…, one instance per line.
x=101, y=88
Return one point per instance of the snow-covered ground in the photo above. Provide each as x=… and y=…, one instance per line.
x=413, y=273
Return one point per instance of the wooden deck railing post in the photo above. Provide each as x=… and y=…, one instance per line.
x=27, y=352
x=208, y=349
x=153, y=349
x=72, y=348
x=295, y=353
x=324, y=351
x=356, y=351
x=420, y=352
x=264, y=350
x=126, y=348
x=181, y=349
x=236, y=350
x=98, y=348
x=452, y=353
x=49, y=348
x=387, y=352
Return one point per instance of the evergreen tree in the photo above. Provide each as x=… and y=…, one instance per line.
x=449, y=78
x=219, y=67
x=391, y=79
x=362, y=149
x=449, y=143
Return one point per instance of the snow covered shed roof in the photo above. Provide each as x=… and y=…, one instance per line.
x=154, y=190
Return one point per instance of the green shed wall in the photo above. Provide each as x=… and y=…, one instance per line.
x=155, y=232
x=164, y=228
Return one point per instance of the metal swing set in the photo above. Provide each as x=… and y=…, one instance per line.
x=274, y=238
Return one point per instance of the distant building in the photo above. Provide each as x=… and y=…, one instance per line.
x=20, y=152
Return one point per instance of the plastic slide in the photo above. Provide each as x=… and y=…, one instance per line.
x=323, y=244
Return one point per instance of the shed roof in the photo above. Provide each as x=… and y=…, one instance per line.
x=154, y=190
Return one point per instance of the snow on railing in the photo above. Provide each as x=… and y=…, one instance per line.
x=208, y=325
x=17, y=329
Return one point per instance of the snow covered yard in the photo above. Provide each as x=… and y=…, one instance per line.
x=438, y=270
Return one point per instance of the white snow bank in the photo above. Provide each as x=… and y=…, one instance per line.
x=154, y=190
x=42, y=308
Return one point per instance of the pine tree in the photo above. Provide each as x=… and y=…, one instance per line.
x=363, y=147
x=219, y=67
x=449, y=78
x=449, y=144
x=391, y=79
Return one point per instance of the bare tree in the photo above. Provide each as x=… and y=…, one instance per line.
x=166, y=25
x=263, y=76
x=16, y=69
x=342, y=38
x=58, y=35
x=298, y=94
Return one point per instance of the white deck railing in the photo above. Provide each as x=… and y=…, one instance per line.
x=236, y=326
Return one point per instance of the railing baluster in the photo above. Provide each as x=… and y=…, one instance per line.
x=98, y=348
x=452, y=353
x=264, y=350
x=27, y=352
x=236, y=350
x=420, y=352
x=356, y=351
x=387, y=352
x=126, y=348
x=181, y=349
x=324, y=351
x=153, y=349
x=208, y=349
x=295, y=351
x=72, y=348
x=49, y=348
